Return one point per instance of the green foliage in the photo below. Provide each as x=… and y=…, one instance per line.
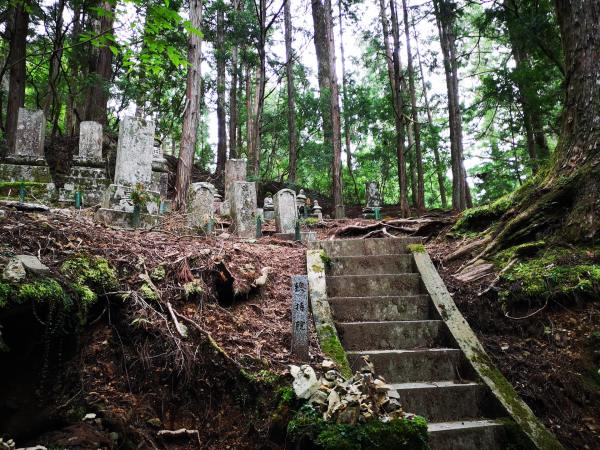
x=6, y=293
x=560, y=273
x=158, y=274
x=480, y=218
x=46, y=290
x=332, y=347
x=148, y=293
x=395, y=434
x=140, y=196
x=416, y=248
x=91, y=275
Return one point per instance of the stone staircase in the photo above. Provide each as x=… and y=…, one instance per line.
x=380, y=308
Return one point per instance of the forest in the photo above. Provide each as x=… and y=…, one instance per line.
x=425, y=98
x=429, y=168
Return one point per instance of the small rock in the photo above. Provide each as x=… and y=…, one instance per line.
x=155, y=422
x=331, y=375
x=33, y=264
x=14, y=271
x=89, y=416
x=2, y=214
x=305, y=381
x=327, y=364
x=114, y=436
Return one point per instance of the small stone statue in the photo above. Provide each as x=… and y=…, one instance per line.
x=317, y=210
x=268, y=204
x=301, y=201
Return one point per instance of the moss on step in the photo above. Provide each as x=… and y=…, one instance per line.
x=416, y=248
x=332, y=347
x=475, y=220
x=565, y=273
x=6, y=293
x=91, y=272
x=43, y=291
x=398, y=434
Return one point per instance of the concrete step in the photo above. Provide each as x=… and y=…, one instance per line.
x=468, y=435
x=393, y=335
x=372, y=264
x=446, y=400
x=373, y=285
x=403, y=366
x=355, y=309
x=356, y=247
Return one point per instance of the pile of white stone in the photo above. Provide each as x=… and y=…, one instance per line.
x=360, y=399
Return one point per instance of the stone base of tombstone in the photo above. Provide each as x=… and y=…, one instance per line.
x=124, y=219
x=269, y=214
x=160, y=177
x=90, y=181
x=118, y=197
x=17, y=168
x=225, y=210
x=305, y=236
x=79, y=161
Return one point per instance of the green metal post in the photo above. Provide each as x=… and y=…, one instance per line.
x=77, y=199
x=258, y=227
x=297, y=236
x=22, y=192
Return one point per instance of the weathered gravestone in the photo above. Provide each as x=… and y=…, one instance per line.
x=90, y=141
x=25, y=159
x=373, y=196
x=286, y=213
x=30, y=133
x=200, y=204
x=243, y=208
x=88, y=177
x=235, y=170
x=268, y=208
x=300, y=316
x=134, y=152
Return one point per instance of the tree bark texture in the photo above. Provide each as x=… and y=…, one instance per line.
x=19, y=22
x=291, y=93
x=221, y=116
x=445, y=17
x=328, y=91
x=399, y=112
x=192, y=110
x=418, y=156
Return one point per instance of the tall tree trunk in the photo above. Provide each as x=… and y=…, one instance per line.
x=291, y=93
x=233, y=93
x=445, y=16
x=563, y=207
x=71, y=120
x=221, y=117
x=345, y=105
x=249, y=109
x=399, y=112
x=439, y=170
x=328, y=92
x=19, y=22
x=51, y=103
x=192, y=110
x=537, y=145
x=418, y=156
x=97, y=99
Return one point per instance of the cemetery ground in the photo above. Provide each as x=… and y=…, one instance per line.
x=126, y=364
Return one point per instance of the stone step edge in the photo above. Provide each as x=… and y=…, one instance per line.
x=440, y=427
x=389, y=322
x=380, y=297
x=435, y=350
x=434, y=385
x=383, y=255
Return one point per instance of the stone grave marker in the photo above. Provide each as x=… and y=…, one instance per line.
x=90, y=141
x=373, y=196
x=134, y=152
x=268, y=208
x=243, y=208
x=200, y=205
x=300, y=316
x=235, y=170
x=30, y=133
x=286, y=213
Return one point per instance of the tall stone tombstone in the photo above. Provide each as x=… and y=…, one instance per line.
x=200, y=206
x=90, y=141
x=300, y=316
x=243, y=208
x=373, y=197
x=286, y=213
x=134, y=152
x=30, y=134
x=235, y=170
